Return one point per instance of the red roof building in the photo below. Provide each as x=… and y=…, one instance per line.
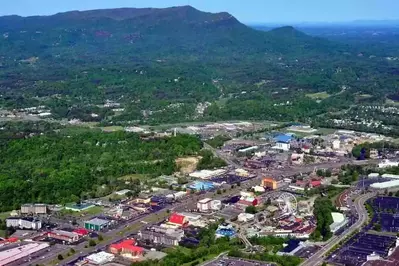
x=127, y=247
x=315, y=183
x=81, y=231
x=177, y=219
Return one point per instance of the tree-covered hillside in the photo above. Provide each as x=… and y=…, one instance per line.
x=56, y=168
x=161, y=63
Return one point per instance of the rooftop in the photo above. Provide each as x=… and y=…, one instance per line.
x=98, y=221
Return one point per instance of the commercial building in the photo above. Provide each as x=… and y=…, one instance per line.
x=177, y=219
x=122, y=192
x=96, y=224
x=63, y=235
x=9, y=256
x=283, y=142
x=79, y=207
x=384, y=185
x=204, y=205
x=245, y=217
x=24, y=223
x=269, y=183
x=127, y=248
x=207, y=174
x=224, y=230
x=100, y=258
x=162, y=236
x=390, y=176
x=339, y=221
x=34, y=209
x=387, y=163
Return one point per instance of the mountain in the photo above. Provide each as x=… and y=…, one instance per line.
x=135, y=54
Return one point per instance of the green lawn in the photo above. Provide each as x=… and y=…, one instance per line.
x=112, y=128
x=4, y=215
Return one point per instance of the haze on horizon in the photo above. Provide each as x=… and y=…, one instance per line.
x=253, y=11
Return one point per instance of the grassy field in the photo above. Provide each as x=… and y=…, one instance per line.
x=4, y=215
x=91, y=211
x=318, y=95
x=112, y=128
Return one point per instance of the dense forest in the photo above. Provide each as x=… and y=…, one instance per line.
x=56, y=168
x=159, y=64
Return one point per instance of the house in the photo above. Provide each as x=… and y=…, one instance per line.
x=96, y=224
x=127, y=248
x=24, y=223
x=177, y=219
x=315, y=183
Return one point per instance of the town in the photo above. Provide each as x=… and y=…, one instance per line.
x=306, y=196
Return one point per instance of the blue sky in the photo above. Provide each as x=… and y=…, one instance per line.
x=248, y=11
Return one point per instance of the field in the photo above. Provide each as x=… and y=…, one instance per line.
x=318, y=95
x=112, y=128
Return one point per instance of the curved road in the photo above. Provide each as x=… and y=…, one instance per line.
x=318, y=257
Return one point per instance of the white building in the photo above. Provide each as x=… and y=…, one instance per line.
x=100, y=258
x=216, y=205
x=383, y=185
x=336, y=144
x=245, y=217
x=259, y=189
x=373, y=175
x=282, y=146
x=387, y=163
x=339, y=221
x=204, y=205
x=24, y=223
x=206, y=174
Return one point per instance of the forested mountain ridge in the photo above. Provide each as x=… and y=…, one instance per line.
x=148, y=59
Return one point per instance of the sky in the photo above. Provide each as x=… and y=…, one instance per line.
x=247, y=11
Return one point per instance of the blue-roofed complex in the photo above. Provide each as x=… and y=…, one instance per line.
x=201, y=185
x=283, y=138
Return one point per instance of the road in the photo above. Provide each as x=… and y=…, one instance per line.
x=318, y=257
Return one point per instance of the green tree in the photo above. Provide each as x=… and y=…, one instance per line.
x=92, y=243
x=251, y=209
x=60, y=257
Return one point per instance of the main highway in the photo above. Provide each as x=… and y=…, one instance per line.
x=319, y=256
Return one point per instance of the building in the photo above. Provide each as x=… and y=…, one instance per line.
x=249, y=149
x=34, y=209
x=336, y=144
x=225, y=230
x=79, y=207
x=216, y=205
x=259, y=189
x=283, y=142
x=162, y=236
x=63, y=235
x=122, y=192
x=269, y=183
x=96, y=224
x=177, y=219
x=245, y=217
x=127, y=248
x=339, y=221
x=204, y=205
x=315, y=183
x=384, y=185
x=9, y=256
x=24, y=223
x=100, y=258
x=387, y=163
x=207, y=174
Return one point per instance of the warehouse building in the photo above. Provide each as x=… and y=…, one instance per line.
x=9, y=256
x=96, y=224
x=34, y=209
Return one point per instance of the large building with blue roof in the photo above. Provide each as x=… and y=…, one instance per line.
x=283, y=142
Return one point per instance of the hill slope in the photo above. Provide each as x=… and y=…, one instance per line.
x=95, y=55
